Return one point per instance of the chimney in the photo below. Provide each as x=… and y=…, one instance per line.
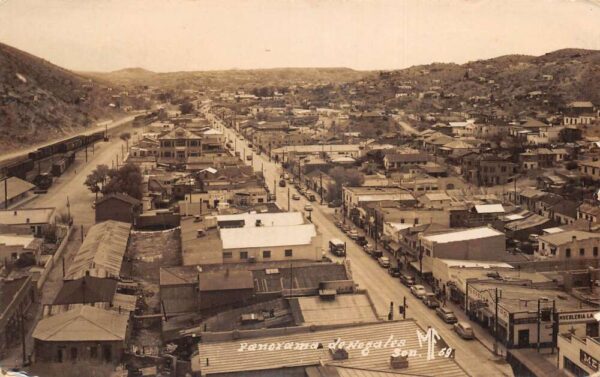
x=399, y=362
x=574, y=238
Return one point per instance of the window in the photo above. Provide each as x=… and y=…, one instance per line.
x=595, y=251
x=93, y=352
x=227, y=255
x=266, y=254
x=288, y=252
x=73, y=353
x=568, y=253
x=581, y=252
x=243, y=255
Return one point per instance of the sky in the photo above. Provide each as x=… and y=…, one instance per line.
x=186, y=35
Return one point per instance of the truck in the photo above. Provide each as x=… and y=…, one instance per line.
x=337, y=247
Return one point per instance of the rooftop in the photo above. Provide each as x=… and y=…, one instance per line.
x=85, y=323
x=562, y=238
x=464, y=235
x=254, y=237
x=88, y=289
x=266, y=219
x=26, y=216
x=101, y=253
x=203, y=250
x=16, y=187
x=489, y=208
x=219, y=353
x=345, y=308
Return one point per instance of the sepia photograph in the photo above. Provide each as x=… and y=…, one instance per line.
x=299, y=188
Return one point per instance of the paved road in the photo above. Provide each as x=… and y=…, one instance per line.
x=383, y=288
x=70, y=184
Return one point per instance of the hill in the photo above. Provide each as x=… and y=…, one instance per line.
x=41, y=101
x=228, y=79
x=511, y=84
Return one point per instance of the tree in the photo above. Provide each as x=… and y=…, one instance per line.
x=343, y=177
x=125, y=180
x=96, y=180
x=186, y=108
x=125, y=136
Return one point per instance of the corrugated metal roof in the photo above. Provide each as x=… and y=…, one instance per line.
x=101, y=253
x=220, y=354
x=85, y=323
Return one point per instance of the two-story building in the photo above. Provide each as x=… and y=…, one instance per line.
x=573, y=244
x=179, y=144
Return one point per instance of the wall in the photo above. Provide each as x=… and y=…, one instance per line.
x=48, y=351
x=312, y=251
x=158, y=221
x=114, y=209
x=489, y=248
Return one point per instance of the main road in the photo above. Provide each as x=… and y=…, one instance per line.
x=383, y=288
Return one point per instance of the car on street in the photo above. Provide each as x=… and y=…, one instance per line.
x=430, y=301
x=394, y=271
x=312, y=197
x=418, y=290
x=334, y=204
x=308, y=207
x=353, y=234
x=407, y=280
x=282, y=183
x=446, y=315
x=384, y=262
x=295, y=196
x=464, y=330
x=361, y=241
x=376, y=254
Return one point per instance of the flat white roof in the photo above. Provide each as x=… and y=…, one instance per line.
x=489, y=208
x=15, y=240
x=264, y=236
x=474, y=264
x=266, y=219
x=553, y=230
x=464, y=235
x=514, y=217
x=400, y=226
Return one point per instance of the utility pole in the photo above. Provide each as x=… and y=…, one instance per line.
x=291, y=278
x=23, y=344
x=496, y=322
x=289, y=203
x=6, y=193
x=117, y=160
x=86, y=156
x=321, y=186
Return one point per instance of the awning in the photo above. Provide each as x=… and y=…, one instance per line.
x=416, y=266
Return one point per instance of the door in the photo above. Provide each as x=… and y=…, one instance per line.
x=523, y=338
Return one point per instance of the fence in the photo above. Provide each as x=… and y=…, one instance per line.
x=55, y=259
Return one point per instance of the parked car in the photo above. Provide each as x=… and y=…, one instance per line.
x=308, y=207
x=282, y=183
x=394, y=271
x=295, y=196
x=464, y=330
x=384, y=262
x=361, y=240
x=376, y=254
x=407, y=280
x=418, y=290
x=367, y=246
x=446, y=315
x=334, y=204
x=312, y=197
x=353, y=234
x=430, y=301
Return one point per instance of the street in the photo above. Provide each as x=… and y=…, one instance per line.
x=382, y=288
